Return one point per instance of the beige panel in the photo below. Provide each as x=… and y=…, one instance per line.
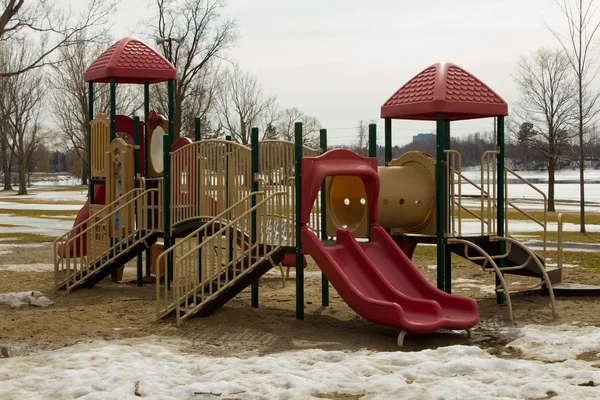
x=100, y=138
x=120, y=179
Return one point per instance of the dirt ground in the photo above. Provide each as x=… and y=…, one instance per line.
x=123, y=310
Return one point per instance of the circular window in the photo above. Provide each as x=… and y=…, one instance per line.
x=347, y=199
x=156, y=149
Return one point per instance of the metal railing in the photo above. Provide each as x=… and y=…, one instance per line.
x=489, y=193
x=108, y=232
x=215, y=256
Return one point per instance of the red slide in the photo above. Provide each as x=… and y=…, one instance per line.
x=78, y=247
x=380, y=283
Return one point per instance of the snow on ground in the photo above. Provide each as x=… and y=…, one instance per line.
x=162, y=369
x=19, y=299
x=25, y=267
x=555, y=343
x=53, y=195
x=38, y=226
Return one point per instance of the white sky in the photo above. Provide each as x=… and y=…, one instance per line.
x=340, y=60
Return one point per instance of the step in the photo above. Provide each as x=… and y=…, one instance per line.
x=574, y=289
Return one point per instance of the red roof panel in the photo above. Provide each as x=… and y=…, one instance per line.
x=445, y=88
x=130, y=61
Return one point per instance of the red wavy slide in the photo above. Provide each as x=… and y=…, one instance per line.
x=380, y=283
x=78, y=248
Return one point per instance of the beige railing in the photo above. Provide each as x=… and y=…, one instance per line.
x=108, y=232
x=456, y=206
x=489, y=193
x=207, y=177
x=219, y=253
x=276, y=166
x=543, y=223
x=559, y=241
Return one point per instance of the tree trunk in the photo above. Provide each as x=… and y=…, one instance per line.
x=551, y=170
x=84, y=174
x=581, y=164
x=6, y=169
x=22, y=178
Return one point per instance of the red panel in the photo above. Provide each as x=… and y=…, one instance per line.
x=130, y=61
x=446, y=88
x=338, y=162
x=381, y=284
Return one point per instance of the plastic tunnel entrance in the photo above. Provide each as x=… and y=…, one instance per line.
x=348, y=202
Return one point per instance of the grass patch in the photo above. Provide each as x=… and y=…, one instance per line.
x=20, y=237
x=575, y=237
x=425, y=251
x=68, y=214
x=584, y=259
x=35, y=201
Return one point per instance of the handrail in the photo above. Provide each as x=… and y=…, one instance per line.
x=539, y=264
x=103, y=239
x=487, y=163
x=208, y=255
x=543, y=223
x=491, y=261
x=559, y=242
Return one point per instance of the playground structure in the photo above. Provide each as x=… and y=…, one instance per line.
x=228, y=213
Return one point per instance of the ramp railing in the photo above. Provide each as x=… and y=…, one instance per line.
x=108, y=232
x=215, y=256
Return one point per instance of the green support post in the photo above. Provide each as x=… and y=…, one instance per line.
x=500, y=199
x=447, y=252
x=324, y=280
x=171, y=90
x=197, y=138
x=440, y=201
x=113, y=130
x=197, y=130
x=137, y=140
x=372, y=153
x=146, y=151
x=89, y=139
x=254, y=236
x=167, y=205
x=113, y=109
x=388, y=140
x=299, y=257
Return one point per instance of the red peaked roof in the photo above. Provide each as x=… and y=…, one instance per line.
x=130, y=61
x=446, y=88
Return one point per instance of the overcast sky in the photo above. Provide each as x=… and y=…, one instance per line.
x=340, y=60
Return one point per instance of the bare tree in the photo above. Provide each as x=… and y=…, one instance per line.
x=242, y=104
x=362, y=138
x=22, y=107
x=69, y=99
x=548, y=100
x=582, y=26
x=50, y=27
x=196, y=35
x=310, y=126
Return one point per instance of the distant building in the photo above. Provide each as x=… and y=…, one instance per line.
x=423, y=137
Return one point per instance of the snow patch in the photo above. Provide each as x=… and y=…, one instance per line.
x=554, y=343
x=26, y=267
x=160, y=369
x=19, y=299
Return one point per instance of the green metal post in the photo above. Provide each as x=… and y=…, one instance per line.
x=500, y=200
x=146, y=152
x=388, y=140
x=372, y=153
x=197, y=138
x=324, y=280
x=171, y=90
x=447, y=252
x=89, y=139
x=254, y=236
x=440, y=201
x=299, y=257
x=137, y=140
x=197, y=130
x=113, y=109
x=167, y=204
x=113, y=130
